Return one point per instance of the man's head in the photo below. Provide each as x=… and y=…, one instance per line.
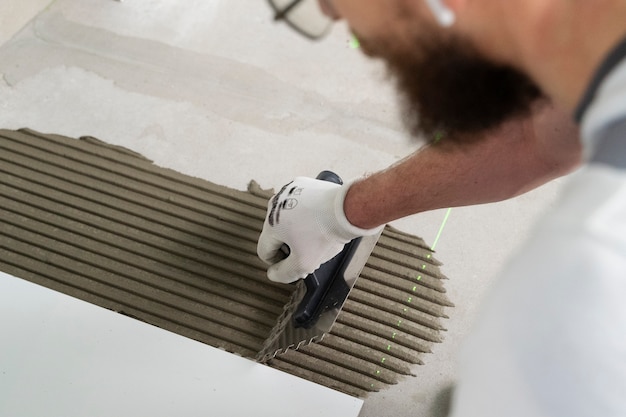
x=447, y=84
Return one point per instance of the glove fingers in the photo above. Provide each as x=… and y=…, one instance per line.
x=292, y=268
x=268, y=248
x=285, y=271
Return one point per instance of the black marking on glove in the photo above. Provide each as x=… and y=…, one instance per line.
x=289, y=204
x=275, y=210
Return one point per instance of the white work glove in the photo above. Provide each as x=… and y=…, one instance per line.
x=307, y=215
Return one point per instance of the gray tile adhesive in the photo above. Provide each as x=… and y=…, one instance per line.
x=105, y=225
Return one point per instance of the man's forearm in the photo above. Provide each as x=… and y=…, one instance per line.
x=515, y=158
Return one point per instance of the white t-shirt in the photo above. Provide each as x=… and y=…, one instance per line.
x=551, y=339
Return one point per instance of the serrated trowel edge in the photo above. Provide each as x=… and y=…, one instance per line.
x=285, y=335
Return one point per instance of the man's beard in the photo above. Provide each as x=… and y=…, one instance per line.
x=448, y=87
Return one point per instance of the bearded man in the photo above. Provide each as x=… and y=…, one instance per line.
x=520, y=92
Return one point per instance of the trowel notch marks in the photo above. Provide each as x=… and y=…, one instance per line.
x=159, y=254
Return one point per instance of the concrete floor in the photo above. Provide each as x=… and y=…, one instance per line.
x=214, y=89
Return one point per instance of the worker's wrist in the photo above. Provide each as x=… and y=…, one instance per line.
x=351, y=211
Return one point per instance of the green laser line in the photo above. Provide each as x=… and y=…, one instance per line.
x=354, y=43
x=445, y=220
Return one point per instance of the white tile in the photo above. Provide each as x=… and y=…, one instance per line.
x=60, y=356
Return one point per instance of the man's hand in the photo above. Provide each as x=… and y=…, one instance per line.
x=306, y=215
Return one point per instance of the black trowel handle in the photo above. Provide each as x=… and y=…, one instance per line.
x=325, y=288
x=330, y=177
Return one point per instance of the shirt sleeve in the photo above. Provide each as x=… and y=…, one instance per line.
x=551, y=340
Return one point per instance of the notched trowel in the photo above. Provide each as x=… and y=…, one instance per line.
x=317, y=300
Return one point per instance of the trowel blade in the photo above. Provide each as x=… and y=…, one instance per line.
x=286, y=335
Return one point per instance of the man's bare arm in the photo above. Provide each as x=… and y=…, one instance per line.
x=515, y=158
